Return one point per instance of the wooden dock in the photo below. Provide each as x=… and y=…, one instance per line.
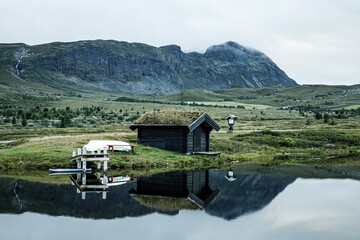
x=83, y=157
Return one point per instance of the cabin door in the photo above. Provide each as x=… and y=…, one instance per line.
x=197, y=139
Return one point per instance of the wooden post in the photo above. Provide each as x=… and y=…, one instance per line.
x=84, y=166
x=83, y=180
x=99, y=151
x=78, y=163
x=105, y=166
x=105, y=149
x=104, y=195
x=79, y=151
x=84, y=150
x=74, y=154
x=105, y=179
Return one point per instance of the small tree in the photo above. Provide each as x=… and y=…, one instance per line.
x=326, y=118
x=318, y=116
x=24, y=122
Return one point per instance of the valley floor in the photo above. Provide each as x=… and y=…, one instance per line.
x=259, y=145
x=54, y=129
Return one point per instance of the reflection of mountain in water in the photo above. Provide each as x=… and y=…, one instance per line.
x=165, y=193
x=63, y=200
x=247, y=194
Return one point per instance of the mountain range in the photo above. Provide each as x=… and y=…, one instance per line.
x=137, y=68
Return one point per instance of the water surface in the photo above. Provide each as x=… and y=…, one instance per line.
x=262, y=203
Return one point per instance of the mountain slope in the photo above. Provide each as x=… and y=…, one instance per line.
x=139, y=68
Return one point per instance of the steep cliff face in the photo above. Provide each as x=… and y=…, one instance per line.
x=142, y=69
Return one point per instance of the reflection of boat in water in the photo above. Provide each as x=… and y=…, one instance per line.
x=186, y=189
x=119, y=180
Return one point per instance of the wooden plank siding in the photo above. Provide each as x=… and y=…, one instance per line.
x=190, y=142
x=169, y=139
x=204, y=132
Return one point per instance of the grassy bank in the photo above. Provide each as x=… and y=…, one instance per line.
x=336, y=146
x=307, y=138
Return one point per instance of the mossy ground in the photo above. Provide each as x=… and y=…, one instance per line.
x=304, y=141
x=47, y=148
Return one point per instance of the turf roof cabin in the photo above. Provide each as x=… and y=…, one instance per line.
x=175, y=130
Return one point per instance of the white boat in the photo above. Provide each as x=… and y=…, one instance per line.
x=94, y=145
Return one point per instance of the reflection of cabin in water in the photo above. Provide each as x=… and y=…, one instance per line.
x=176, y=130
x=181, y=189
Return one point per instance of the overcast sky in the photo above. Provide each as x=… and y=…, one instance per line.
x=313, y=41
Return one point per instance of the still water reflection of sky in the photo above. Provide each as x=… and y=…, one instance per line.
x=306, y=209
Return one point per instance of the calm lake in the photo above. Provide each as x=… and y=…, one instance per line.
x=257, y=203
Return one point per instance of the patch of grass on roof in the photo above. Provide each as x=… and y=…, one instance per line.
x=169, y=116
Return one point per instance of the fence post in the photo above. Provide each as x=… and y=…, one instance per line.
x=105, y=149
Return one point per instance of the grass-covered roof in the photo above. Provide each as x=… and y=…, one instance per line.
x=169, y=116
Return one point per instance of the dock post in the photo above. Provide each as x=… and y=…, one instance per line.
x=104, y=195
x=84, y=166
x=78, y=163
x=79, y=151
x=105, y=179
x=105, y=166
x=98, y=166
x=84, y=150
x=92, y=152
x=83, y=180
x=99, y=151
x=105, y=149
x=83, y=195
x=74, y=154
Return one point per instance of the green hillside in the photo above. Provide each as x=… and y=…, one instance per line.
x=316, y=95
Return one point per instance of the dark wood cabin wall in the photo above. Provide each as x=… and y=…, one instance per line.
x=208, y=140
x=205, y=134
x=190, y=142
x=169, y=139
x=203, y=140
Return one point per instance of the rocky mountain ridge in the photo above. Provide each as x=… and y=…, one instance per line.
x=138, y=68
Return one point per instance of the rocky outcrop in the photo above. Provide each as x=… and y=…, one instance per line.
x=142, y=69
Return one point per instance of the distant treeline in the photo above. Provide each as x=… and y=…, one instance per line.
x=37, y=116
x=327, y=114
x=127, y=99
